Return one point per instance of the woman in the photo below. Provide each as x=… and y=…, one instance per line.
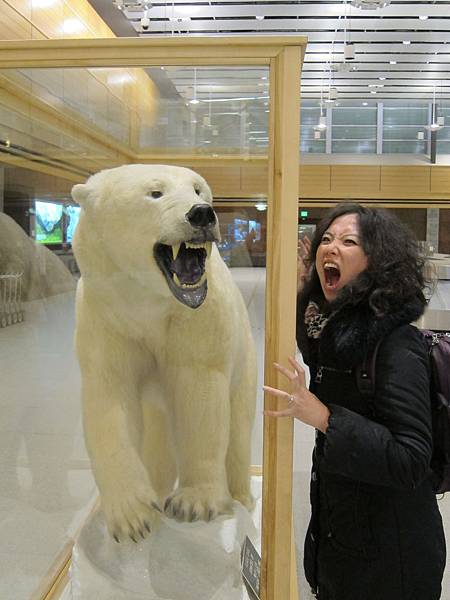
x=375, y=531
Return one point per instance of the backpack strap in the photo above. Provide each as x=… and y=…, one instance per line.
x=366, y=371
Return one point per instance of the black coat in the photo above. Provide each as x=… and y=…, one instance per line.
x=375, y=532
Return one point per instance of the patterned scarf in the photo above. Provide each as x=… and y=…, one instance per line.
x=315, y=321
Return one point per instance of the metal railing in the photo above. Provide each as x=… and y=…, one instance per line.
x=11, y=311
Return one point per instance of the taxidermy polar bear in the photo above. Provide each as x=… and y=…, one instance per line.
x=165, y=349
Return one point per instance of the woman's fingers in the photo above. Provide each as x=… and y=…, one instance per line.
x=276, y=392
x=299, y=371
x=303, y=247
x=285, y=371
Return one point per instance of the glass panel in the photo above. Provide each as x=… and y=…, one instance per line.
x=312, y=145
x=354, y=132
x=401, y=133
x=406, y=147
x=355, y=115
x=406, y=114
x=363, y=146
x=58, y=127
x=444, y=134
x=443, y=147
x=210, y=110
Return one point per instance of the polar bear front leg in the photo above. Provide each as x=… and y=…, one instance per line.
x=112, y=420
x=201, y=417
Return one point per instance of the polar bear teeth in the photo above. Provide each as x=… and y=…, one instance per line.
x=189, y=285
x=206, y=246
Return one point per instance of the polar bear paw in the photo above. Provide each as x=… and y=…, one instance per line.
x=130, y=514
x=202, y=503
x=246, y=499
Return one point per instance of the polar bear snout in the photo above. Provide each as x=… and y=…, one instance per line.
x=201, y=215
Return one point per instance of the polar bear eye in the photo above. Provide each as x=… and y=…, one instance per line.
x=198, y=191
x=156, y=194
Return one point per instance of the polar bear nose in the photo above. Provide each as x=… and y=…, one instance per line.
x=201, y=215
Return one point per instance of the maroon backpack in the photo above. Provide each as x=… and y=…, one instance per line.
x=438, y=344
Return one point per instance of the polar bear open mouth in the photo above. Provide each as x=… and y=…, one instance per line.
x=183, y=265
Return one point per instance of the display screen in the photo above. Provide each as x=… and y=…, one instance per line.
x=255, y=226
x=49, y=228
x=240, y=230
x=73, y=215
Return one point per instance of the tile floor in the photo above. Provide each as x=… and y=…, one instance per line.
x=46, y=487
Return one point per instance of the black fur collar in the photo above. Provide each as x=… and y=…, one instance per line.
x=352, y=331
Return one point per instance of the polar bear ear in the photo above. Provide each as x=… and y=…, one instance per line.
x=81, y=195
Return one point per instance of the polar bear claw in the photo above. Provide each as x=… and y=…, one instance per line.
x=194, y=504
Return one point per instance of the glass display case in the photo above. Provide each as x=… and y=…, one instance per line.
x=70, y=109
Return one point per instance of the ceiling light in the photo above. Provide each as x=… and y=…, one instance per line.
x=349, y=51
x=365, y=104
x=72, y=26
x=42, y=3
x=392, y=62
x=423, y=17
x=373, y=92
x=406, y=42
x=370, y=4
x=332, y=93
x=381, y=78
x=259, y=17
x=322, y=124
x=261, y=206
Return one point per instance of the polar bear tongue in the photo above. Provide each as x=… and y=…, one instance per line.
x=185, y=275
x=189, y=265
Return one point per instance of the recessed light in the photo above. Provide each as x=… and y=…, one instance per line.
x=259, y=17
x=406, y=42
x=381, y=78
x=392, y=62
x=373, y=92
x=365, y=104
x=423, y=17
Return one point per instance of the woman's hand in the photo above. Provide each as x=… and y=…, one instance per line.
x=302, y=404
x=303, y=250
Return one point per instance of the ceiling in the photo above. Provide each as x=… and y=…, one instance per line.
x=402, y=51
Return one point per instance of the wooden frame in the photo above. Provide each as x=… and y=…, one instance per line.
x=284, y=56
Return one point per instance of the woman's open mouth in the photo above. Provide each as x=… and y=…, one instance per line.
x=184, y=267
x=332, y=275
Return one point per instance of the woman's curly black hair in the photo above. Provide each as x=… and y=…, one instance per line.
x=395, y=271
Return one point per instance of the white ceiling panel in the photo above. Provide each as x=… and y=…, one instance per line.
x=411, y=70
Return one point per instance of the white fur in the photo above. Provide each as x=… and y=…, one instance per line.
x=168, y=391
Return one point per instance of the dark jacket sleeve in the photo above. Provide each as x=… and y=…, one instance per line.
x=395, y=448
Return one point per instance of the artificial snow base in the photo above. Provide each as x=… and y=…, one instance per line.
x=178, y=561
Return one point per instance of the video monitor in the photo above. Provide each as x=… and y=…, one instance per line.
x=240, y=230
x=73, y=215
x=49, y=227
x=255, y=226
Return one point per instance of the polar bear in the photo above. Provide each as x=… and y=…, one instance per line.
x=166, y=353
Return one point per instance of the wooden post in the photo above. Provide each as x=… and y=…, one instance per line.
x=278, y=568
